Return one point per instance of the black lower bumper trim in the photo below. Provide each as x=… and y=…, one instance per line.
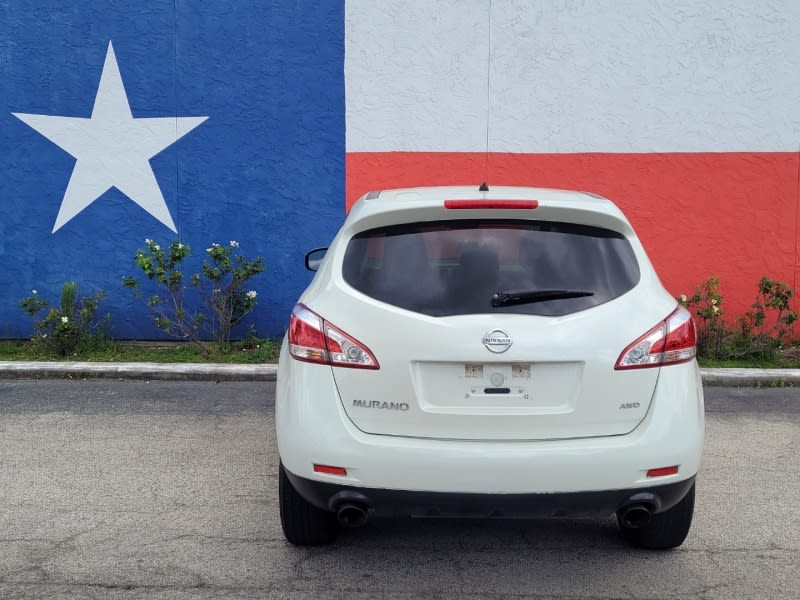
x=385, y=502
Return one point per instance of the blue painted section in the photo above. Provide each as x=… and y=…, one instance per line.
x=266, y=169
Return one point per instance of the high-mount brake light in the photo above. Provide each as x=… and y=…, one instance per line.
x=312, y=339
x=671, y=342
x=482, y=204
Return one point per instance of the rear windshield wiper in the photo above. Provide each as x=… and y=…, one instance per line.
x=511, y=298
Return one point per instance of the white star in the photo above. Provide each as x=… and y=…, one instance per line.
x=112, y=148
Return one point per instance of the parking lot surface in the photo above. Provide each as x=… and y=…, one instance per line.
x=132, y=489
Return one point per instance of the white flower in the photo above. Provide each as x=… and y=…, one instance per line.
x=713, y=301
x=180, y=246
x=251, y=294
x=683, y=297
x=34, y=292
x=234, y=244
x=156, y=247
x=147, y=241
x=65, y=319
x=716, y=309
x=216, y=290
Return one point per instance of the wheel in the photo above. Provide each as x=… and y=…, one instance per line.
x=303, y=523
x=664, y=530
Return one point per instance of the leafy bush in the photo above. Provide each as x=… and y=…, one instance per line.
x=706, y=302
x=760, y=332
x=767, y=326
x=221, y=287
x=70, y=327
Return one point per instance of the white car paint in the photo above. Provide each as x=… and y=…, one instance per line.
x=583, y=425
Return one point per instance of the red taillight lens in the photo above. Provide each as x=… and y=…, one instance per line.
x=681, y=342
x=306, y=341
x=312, y=339
x=670, y=342
x=478, y=204
x=345, y=351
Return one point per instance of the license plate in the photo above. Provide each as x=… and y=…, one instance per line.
x=492, y=379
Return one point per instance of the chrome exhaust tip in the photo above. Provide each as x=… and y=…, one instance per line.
x=351, y=514
x=635, y=515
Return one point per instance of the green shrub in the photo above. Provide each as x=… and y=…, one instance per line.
x=768, y=324
x=221, y=289
x=71, y=326
x=706, y=302
x=759, y=333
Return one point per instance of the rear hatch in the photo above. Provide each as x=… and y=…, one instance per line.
x=490, y=329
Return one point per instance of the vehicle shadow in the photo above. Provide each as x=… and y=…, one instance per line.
x=460, y=558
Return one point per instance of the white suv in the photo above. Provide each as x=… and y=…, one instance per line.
x=496, y=353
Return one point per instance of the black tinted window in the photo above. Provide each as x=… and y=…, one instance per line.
x=455, y=267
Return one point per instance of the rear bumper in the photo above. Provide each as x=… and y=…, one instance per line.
x=313, y=428
x=388, y=503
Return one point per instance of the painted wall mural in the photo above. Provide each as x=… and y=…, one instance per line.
x=112, y=149
x=261, y=122
x=121, y=121
x=683, y=112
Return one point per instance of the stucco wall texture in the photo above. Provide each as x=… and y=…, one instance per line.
x=285, y=112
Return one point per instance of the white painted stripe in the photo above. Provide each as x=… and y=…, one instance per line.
x=415, y=74
x=573, y=76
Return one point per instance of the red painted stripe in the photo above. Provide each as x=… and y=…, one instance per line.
x=731, y=215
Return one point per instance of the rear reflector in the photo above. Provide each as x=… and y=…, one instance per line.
x=483, y=204
x=672, y=341
x=312, y=339
x=662, y=471
x=330, y=470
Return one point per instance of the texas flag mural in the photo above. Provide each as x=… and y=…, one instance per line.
x=262, y=122
x=206, y=122
x=684, y=113
x=112, y=149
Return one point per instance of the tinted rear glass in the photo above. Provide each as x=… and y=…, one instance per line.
x=455, y=267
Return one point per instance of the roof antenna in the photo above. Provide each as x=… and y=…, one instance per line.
x=484, y=186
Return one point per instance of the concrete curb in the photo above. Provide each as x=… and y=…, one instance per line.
x=147, y=371
x=268, y=372
x=751, y=377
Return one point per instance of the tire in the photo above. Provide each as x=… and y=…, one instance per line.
x=664, y=530
x=303, y=523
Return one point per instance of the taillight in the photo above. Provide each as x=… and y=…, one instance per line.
x=313, y=339
x=670, y=342
x=479, y=204
x=306, y=341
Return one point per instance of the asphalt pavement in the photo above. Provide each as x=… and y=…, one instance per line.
x=268, y=372
x=168, y=490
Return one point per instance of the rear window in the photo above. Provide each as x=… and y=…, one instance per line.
x=456, y=267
